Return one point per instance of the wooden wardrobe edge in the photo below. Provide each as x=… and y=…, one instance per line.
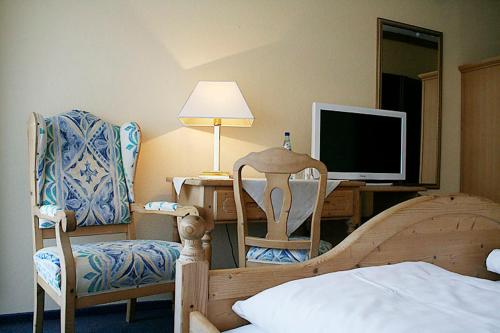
x=478, y=65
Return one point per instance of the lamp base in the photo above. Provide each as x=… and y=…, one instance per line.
x=214, y=175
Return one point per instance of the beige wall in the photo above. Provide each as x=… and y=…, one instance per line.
x=139, y=60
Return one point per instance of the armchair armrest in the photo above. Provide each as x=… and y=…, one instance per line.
x=65, y=222
x=179, y=212
x=198, y=323
x=57, y=215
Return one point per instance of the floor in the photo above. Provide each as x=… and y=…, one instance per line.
x=151, y=317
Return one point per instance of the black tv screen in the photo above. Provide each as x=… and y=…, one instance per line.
x=357, y=145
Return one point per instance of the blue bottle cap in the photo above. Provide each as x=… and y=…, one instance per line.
x=287, y=133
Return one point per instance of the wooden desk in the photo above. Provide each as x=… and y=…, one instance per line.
x=215, y=201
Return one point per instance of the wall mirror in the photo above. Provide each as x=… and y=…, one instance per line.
x=409, y=65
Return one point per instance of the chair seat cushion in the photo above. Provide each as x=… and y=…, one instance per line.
x=283, y=256
x=104, y=266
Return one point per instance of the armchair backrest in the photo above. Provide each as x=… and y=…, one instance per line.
x=277, y=164
x=84, y=164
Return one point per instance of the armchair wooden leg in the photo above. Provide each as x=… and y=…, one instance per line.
x=68, y=317
x=131, y=309
x=39, y=308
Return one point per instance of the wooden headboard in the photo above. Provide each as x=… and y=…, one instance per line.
x=455, y=232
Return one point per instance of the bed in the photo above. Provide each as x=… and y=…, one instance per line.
x=445, y=237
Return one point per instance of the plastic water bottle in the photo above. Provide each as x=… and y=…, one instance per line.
x=287, y=144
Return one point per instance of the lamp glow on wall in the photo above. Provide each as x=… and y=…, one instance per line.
x=216, y=103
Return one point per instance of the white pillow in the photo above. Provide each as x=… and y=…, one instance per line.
x=406, y=297
x=493, y=261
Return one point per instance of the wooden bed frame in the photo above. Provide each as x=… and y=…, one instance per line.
x=455, y=232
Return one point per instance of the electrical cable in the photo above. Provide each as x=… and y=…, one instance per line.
x=231, y=245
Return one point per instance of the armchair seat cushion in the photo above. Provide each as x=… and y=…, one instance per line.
x=104, y=266
x=283, y=256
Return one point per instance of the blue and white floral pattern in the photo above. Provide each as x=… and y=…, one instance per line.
x=161, y=205
x=49, y=210
x=48, y=267
x=130, y=137
x=284, y=256
x=104, y=266
x=41, y=146
x=83, y=169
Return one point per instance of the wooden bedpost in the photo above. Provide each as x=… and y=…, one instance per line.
x=191, y=277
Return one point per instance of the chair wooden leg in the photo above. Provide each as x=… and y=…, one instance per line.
x=131, y=309
x=39, y=308
x=68, y=317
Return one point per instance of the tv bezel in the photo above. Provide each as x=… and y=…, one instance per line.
x=316, y=136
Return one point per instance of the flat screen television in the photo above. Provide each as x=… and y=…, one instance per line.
x=359, y=143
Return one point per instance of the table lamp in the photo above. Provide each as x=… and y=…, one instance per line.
x=216, y=103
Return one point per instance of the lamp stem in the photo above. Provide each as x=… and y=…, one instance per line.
x=216, y=147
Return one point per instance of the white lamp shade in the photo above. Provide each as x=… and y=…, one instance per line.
x=216, y=103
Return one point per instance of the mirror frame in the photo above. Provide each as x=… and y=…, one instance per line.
x=380, y=23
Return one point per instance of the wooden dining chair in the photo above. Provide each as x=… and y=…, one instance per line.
x=82, y=183
x=277, y=164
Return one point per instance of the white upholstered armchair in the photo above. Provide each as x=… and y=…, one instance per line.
x=82, y=183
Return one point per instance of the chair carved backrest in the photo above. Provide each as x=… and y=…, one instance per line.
x=277, y=164
x=84, y=164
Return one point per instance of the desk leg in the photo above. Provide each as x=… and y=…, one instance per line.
x=367, y=204
x=175, y=230
x=351, y=226
x=355, y=220
x=207, y=246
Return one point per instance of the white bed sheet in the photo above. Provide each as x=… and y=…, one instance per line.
x=250, y=328
x=408, y=297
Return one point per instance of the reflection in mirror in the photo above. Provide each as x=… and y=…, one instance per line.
x=409, y=80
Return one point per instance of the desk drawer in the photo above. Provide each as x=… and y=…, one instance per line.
x=339, y=203
x=225, y=207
